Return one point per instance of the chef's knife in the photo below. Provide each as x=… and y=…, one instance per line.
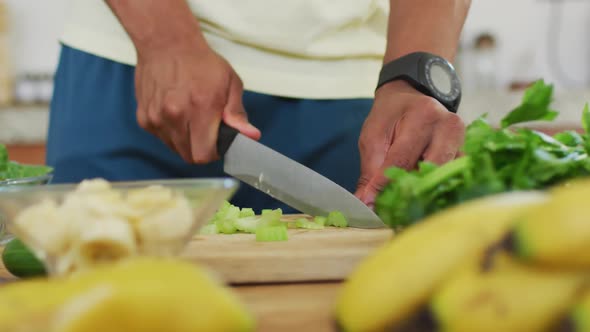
x=289, y=181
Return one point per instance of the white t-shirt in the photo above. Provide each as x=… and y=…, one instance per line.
x=320, y=49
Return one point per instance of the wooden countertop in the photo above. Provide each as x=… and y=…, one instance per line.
x=280, y=307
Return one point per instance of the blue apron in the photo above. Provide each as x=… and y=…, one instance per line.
x=93, y=131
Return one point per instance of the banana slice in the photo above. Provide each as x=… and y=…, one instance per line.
x=104, y=240
x=165, y=228
x=44, y=226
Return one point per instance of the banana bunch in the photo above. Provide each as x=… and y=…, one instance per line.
x=128, y=295
x=516, y=261
x=96, y=224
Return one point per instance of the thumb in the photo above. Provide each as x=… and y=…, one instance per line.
x=234, y=114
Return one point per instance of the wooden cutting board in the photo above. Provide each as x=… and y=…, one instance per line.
x=328, y=254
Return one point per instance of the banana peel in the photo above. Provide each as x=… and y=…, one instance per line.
x=396, y=280
x=138, y=294
x=504, y=294
x=558, y=233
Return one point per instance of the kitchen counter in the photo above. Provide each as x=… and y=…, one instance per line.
x=281, y=307
x=28, y=125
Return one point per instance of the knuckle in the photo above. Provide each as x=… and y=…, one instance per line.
x=154, y=120
x=430, y=108
x=362, y=181
x=455, y=123
x=202, y=156
x=203, y=100
x=142, y=119
x=403, y=162
x=171, y=108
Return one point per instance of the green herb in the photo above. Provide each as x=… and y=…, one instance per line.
x=494, y=161
x=14, y=170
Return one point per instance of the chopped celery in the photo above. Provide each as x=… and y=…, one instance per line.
x=271, y=217
x=247, y=212
x=304, y=223
x=248, y=224
x=336, y=219
x=226, y=226
x=272, y=233
x=226, y=221
x=209, y=229
x=320, y=220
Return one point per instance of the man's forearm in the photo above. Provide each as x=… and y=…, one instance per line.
x=157, y=24
x=425, y=25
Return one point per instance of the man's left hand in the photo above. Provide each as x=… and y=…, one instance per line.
x=404, y=127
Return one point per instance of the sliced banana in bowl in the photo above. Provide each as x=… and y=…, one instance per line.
x=71, y=227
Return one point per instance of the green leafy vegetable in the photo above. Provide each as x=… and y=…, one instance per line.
x=493, y=161
x=535, y=105
x=13, y=170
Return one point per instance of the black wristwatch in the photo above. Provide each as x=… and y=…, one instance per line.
x=428, y=73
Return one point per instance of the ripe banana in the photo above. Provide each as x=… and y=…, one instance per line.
x=397, y=279
x=558, y=233
x=504, y=295
x=578, y=318
x=137, y=294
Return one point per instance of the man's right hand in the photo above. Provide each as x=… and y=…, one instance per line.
x=183, y=93
x=183, y=88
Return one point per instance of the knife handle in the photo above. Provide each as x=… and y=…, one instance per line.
x=225, y=138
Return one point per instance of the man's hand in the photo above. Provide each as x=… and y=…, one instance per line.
x=404, y=127
x=183, y=94
x=183, y=88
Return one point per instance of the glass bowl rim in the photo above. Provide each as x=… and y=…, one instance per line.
x=178, y=183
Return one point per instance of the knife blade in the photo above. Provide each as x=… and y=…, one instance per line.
x=289, y=181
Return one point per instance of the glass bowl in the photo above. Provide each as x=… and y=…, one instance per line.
x=205, y=197
x=41, y=180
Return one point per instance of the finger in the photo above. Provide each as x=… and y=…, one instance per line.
x=446, y=141
x=373, y=149
x=408, y=145
x=203, y=127
x=175, y=107
x=234, y=114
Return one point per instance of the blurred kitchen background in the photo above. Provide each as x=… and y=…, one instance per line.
x=506, y=44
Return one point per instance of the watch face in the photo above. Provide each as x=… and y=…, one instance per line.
x=441, y=78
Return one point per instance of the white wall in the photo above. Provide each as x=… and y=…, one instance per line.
x=522, y=28
x=520, y=25
x=34, y=27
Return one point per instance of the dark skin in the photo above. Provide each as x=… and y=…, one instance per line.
x=184, y=89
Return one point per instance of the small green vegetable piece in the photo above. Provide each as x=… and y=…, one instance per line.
x=209, y=229
x=272, y=233
x=247, y=224
x=247, y=212
x=320, y=220
x=226, y=221
x=337, y=219
x=20, y=261
x=304, y=223
x=271, y=217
